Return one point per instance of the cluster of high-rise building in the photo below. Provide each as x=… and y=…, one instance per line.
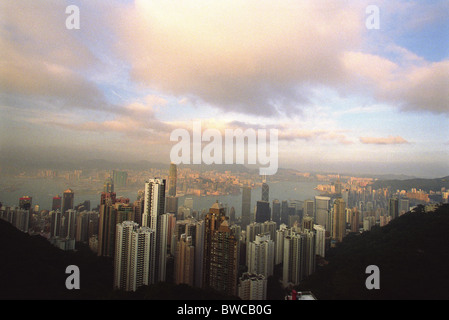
x=155, y=239
x=214, y=250
x=70, y=224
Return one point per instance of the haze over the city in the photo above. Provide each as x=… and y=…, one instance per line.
x=344, y=97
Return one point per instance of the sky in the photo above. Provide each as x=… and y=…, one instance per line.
x=346, y=92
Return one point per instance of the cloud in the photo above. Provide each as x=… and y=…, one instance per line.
x=285, y=131
x=266, y=57
x=412, y=87
x=381, y=141
x=137, y=121
x=43, y=60
x=255, y=57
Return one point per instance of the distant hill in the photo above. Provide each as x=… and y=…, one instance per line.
x=411, y=253
x=235, y=168
x=392, y=177
x=424, y=184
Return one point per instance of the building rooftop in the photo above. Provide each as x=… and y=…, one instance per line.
x=301, y=295
x=217, y=205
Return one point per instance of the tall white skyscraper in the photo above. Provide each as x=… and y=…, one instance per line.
x=269, y=227
x=261, y=255
x=132, y=256
x=310, y=259
x=252, y=230
x=163, y=231
x=139, y=270
x=154, y=205
x=320, y=241
x=299, y=257
x=279, y=244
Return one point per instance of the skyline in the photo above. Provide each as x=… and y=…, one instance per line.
x=142, y=239
x=343, y=97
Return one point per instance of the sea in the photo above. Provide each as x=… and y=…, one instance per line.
x=42, y=192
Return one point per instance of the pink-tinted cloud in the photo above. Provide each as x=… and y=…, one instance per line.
x=256, y=57
x=388, y=140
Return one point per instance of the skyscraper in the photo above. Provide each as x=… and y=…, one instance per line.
x=154, y=207
x=320, y=240
x=194, y=229
x=220, y=252
x=355, y=220
x=309, y=208
x=56, y=204
x=108, y=195
x=322, y=207
x=21, y=219
x=299, y=257
x=265, y=192
x=172, y=204
x=276, y=212
x=338, y=187
x=224, y=260
x=106, y=229
x=252, y=230
x=339, y=220
x=172, y=199
x=212, y=221
x=263, y=211
x=68, y=199
x=55, y=223
x=108, y=185
x=68, y=224
x=163, y=232
x=269, y=228
x=172, y=178
x=25, y=202
x=246, y=206
x=185, y=261
x=291, y=259
x=279, y=244
x=261, y=255
x=119, y=178
x=404, y=206
x=307, y=223
x=393, y=208
x=284, y=212
x=252, y=287
x=82, y=227
x=123, y=254
x=132, y=256
x=199, y=252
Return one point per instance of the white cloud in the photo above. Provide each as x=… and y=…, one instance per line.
x=257, y=57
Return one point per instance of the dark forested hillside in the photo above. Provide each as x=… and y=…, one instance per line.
x=424, y=184
x=412, y=253
x=31, y=268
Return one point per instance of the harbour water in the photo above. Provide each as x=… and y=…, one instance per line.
x=42, y=191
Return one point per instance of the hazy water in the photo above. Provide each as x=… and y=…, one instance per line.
x=42, y=191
